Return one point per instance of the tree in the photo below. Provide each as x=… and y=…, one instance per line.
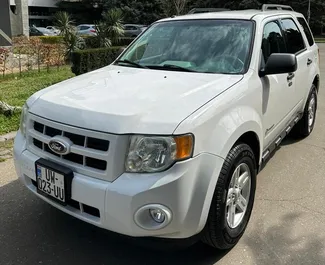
x=111, y=28
x=137, y=11
x=72, y=41
x=174, y=7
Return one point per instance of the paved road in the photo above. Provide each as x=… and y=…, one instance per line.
x=287, y=225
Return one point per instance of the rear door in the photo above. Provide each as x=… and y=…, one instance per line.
x=297, y=44
x=312, y=52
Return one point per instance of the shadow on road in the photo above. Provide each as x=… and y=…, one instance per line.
x=279, y=244
x=32, y=232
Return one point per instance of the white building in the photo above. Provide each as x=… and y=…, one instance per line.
x=40, y=11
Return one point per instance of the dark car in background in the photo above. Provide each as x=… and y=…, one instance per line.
x=133, y=30
x=35, y=32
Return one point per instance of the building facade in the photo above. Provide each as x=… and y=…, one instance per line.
x=40, y=11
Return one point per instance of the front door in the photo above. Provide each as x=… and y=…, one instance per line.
x=278, y=90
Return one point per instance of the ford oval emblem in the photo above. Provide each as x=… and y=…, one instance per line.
x=58, y=147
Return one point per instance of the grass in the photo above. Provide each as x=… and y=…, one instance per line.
x=320, y=40
x=15, y=90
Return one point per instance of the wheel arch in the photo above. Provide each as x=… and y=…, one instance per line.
x=316, y=82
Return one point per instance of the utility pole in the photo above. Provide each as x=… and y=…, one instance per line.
x=309, y=11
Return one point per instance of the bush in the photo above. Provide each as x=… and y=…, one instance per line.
x=125, y=41
x=93, y=42
x=84, y=61
x=51, y=39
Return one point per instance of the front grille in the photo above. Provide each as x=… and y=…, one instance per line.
x=82, y=141
x=92, y=153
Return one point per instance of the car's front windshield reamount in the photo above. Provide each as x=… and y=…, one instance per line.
x=205, y=46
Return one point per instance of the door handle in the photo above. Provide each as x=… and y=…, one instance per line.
x=309, y=61
x=290, y=77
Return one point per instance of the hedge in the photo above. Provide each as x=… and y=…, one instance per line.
x=92, y=42
x=84, y=61
x=51, y=39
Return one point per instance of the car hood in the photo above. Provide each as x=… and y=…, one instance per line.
x=122, y=100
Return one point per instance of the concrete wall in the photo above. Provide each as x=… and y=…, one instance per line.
x=5, y=28
x=19, y=20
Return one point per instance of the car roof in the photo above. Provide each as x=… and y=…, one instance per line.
x=248, y=14
x=136, y=25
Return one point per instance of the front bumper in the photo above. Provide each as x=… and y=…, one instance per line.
x=186, y=190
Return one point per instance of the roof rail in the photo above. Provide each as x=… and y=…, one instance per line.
x=206, y=10
x=267, y=7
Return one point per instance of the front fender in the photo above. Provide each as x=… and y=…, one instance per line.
x=221, y=122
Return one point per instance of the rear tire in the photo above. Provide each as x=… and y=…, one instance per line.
x=306, y=125
x=227, y=220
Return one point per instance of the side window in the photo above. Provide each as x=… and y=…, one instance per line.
x=273, y=41
x=307, y=31
x=295, y=41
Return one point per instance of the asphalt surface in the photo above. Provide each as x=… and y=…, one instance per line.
x=287, y=224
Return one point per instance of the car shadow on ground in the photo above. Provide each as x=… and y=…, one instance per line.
x=279, y=244
x=33, y=232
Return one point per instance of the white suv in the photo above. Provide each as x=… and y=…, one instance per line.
x=167, y=141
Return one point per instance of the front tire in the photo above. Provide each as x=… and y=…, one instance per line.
x=233, y=199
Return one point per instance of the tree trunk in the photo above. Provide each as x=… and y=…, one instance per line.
x=8, y=110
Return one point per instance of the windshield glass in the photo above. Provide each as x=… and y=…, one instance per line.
x=206, y=46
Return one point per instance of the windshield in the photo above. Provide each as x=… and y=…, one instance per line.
x=205, y=46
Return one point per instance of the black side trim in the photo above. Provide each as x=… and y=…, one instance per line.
x=276, y=143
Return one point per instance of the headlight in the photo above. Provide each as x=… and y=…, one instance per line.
x=23, y=118
x=157, y=153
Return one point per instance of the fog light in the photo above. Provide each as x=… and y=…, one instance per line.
x=157, y=215
x=153, y=216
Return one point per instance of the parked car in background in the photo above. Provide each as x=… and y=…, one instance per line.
x=35, y=32
x=53, y=29
x=45, y=31
x=86, y=29
x=133, y=30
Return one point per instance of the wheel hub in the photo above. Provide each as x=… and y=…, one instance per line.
x=238, y=195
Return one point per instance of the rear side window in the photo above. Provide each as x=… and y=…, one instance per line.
x=295, y=41
x=307, y=31
x=273, y=40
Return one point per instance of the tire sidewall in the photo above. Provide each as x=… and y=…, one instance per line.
x=312, y=92
x=246, y=157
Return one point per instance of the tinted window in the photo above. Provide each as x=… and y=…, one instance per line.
x=294, y=37
x=307, y=31
x=84, y=27
x=214, y=46
x=273, y=41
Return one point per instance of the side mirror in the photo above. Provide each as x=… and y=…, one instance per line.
x=279, y=63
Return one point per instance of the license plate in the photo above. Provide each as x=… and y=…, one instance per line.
x=53, y=181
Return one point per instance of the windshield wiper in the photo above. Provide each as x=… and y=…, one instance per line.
x=131, y=63
x=171, y=67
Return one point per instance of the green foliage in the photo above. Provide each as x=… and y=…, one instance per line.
x=72, y=41
x=63, y=22
x=110, y=29
x=92, y=42
x=84, y=61
x=137, y=11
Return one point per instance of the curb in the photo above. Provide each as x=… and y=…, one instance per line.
x=8, y=136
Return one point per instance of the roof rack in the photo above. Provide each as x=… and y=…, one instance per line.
x=267, y=7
